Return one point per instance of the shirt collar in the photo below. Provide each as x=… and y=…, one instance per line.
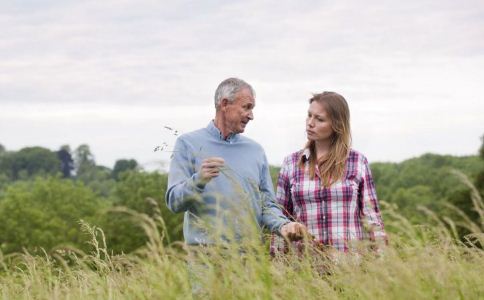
x=214, y=131
x=306, y=154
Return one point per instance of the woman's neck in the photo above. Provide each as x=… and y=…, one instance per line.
x=322, y=148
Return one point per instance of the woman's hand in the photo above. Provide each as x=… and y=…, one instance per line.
x=294, y=231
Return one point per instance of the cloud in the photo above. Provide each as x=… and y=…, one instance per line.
x=408, y=69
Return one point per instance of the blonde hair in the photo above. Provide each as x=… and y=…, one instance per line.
x=332, y=166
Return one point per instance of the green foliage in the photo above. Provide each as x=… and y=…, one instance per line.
x=45, y=213
x=274, y=171
x=426, y=180
x=481, y=149
x=123, y=165
x=134, y=191
x=67, y=163
x=423, y=181
x=425, y=261
x=421, y=262
x=29, y=162
x=83, y=161
x=98, y=178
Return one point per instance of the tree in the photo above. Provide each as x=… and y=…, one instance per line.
x=132, y=191
x=46, y=213
x=481, y=150
x=123, y=165
x=67, y=163
x=83, y=160
x=480, y=176
x=29, y=162
x=98, y=178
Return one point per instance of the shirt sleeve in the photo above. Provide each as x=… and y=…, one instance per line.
x=272, y=216
x=184, y=187
x=284, y=199
x=369, y=205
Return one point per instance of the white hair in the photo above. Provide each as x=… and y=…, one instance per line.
x=228, y=88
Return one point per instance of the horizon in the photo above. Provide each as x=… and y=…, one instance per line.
x=163, y=165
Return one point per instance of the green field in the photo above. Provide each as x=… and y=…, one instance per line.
x=433, y=214
x=421, y=262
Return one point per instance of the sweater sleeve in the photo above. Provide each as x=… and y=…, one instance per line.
x=184, y=187
x=272, y=215
x=283, y=198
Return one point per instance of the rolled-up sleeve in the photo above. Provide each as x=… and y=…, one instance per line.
x=370, y=209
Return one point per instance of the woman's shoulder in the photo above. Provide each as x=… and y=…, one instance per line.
x=293, y=158
x=356, y=156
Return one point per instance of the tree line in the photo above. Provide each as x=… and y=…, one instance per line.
x=44, y=194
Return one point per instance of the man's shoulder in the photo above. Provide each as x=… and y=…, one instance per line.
x=250, y=142
x=193, y=135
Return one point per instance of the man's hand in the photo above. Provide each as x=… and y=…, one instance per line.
x=210, y=168
x=294, y=231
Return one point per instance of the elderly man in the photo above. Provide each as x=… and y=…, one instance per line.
x=220, y=179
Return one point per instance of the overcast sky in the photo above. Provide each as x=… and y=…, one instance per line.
x=113, y=73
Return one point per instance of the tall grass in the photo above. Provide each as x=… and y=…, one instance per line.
x=421, y=262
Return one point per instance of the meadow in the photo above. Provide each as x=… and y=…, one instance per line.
x=420, y=262
x=108, y=235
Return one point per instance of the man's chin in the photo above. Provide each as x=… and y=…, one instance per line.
x=241, y=129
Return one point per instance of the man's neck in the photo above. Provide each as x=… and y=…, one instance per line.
x=220, y=124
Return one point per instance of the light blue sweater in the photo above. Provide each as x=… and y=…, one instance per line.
x=228, y=203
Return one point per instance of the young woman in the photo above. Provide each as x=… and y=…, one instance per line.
x=328, y=186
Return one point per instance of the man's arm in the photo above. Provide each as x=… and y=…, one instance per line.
x=272, y=215
x=185, y=182
x=184, y=185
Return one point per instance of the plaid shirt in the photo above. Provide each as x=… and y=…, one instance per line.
x=347, y=210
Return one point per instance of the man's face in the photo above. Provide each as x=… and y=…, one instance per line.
x=239, y=112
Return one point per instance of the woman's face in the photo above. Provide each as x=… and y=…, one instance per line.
x=318, y=124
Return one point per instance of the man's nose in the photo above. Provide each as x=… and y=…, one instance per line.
x=251, y=115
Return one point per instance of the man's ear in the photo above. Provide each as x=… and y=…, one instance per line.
x=223, y=104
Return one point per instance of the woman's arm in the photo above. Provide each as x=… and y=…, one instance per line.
x=370, y=209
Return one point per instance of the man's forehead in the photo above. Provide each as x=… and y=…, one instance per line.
x=245, y=95
x=245, y=91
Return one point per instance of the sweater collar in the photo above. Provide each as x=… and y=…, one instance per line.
x=215, y=132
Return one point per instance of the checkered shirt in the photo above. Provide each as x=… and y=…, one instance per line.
x=336, y=215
